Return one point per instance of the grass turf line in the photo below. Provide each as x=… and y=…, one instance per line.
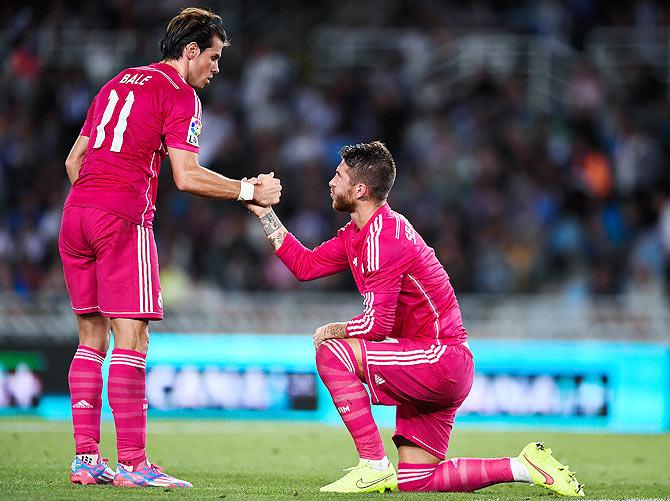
x=256, y=460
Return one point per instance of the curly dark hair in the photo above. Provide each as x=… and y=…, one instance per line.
x=372, y=165
x=191, y=25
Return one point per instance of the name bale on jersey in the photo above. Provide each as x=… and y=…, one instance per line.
x=138, y=79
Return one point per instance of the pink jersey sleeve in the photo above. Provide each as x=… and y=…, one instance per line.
x=183, y=120
x=386, y=265
x=88, y=123
x=327, y=259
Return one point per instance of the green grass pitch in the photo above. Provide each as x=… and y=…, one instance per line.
x=269, y=460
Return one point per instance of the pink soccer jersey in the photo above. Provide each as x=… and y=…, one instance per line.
x=407, y=293
x=132, y=121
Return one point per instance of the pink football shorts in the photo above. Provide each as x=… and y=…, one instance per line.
x=110, y=265
x=427, y=384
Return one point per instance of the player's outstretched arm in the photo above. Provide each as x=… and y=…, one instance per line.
x=191, y=177
x=76, y=155
x=326, y=259
x=274, y=229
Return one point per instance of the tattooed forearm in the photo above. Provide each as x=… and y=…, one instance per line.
x=270, y=223
x=273, y=228
x=335, y=330
x=277, y=240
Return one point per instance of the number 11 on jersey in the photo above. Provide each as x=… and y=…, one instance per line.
x=122, y=123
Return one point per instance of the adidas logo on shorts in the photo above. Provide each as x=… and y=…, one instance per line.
x=82, y=404
x=379, y=379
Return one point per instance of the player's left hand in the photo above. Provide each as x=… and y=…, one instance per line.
x=334, y=330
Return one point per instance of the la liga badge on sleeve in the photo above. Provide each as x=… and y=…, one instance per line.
x=194, y=130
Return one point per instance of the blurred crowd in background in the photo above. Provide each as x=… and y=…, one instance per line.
x=514, y=200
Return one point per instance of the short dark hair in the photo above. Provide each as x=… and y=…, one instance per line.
x=371, y=164
x=191, y=25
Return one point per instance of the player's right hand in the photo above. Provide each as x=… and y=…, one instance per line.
x=267, y=190
x=253, y=207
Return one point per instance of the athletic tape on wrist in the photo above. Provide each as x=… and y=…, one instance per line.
x=246, y=191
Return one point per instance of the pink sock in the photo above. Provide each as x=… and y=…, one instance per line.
x=454, y=475
x=127, y=398
x=336, y=363
x=85, y=380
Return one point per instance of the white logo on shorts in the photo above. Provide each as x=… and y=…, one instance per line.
x=379, y=379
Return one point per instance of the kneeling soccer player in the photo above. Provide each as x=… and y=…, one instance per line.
x=409, y=345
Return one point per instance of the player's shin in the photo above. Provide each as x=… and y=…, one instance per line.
x=85, y=382
x=336, y=363
x=127, y=398
x=454, y=475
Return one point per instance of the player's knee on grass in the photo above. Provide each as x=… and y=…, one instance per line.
x=409, y=452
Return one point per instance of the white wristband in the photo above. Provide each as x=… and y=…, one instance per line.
x=246, y=191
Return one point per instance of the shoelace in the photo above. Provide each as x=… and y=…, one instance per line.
x=101, y=467
x=101, y=464
x=151, y=467
x=154, y=468
x=351, y=468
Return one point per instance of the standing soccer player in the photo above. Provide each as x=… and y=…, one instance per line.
x=107, y=244
x=408, y=345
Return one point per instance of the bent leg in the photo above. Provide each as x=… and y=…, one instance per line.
x=428, y=384
x=127, y=388
x=420, y=471
x=534, y=465
x=422, y=437
x=85, y=382
x=336, y=363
